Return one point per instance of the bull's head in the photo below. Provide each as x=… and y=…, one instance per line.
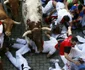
x=8, y=24
x=36, y=36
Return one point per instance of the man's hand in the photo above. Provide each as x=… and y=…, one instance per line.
x=77, y=62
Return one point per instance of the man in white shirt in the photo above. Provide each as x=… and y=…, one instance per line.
x=48, y=46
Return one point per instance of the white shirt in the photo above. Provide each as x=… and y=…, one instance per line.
x=49, y=46
x=62, y=13
x=1, y=28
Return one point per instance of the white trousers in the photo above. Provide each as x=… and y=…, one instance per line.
x=18, y=61
x=81, y=39
x=22, y=45
x=1, y=40
x=47, y=8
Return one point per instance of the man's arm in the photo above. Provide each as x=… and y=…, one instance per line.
x=69, y=32
x=70, y=59
x=66, y=54
x=54, y=10
x=48, y=55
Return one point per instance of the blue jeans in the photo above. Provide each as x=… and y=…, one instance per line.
x=78, y=67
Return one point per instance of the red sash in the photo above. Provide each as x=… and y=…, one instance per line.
x=0, y=22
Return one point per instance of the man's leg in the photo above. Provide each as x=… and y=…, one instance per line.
x=24, y=49
x=48, y=7
x=81, y=39
x=22, y=62
x=11, y=58
x=22, y=45
x=19, y=43
x=67, y=65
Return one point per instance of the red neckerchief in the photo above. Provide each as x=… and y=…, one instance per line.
x=62, y=21
x=0, y=22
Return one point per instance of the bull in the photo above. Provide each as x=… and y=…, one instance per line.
x=14, y=7
x=7, y=21
x=32, y=15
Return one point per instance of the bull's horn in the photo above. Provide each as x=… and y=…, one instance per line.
x=5, y=2
x=34, y=28
x=2, y=20
x=46, y=28
x=27, y=32
x=17, y=22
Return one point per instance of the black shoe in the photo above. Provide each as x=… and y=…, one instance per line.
x=30, y=69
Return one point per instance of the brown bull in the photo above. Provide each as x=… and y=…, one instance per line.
x=14, y=7
x=35, y=33
x=36, y=36
x=7, y=21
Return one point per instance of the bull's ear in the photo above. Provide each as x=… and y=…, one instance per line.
x=27, y=32
x=15, y=22
x=7, y=1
